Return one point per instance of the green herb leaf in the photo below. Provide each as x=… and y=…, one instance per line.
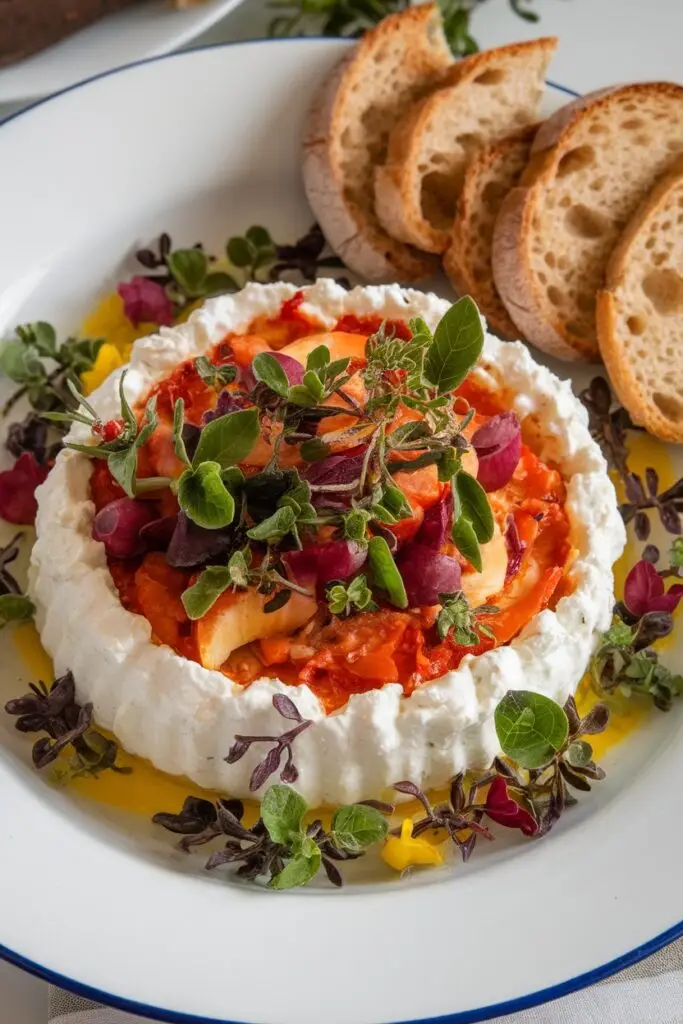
x=465, y=540
x=42, y=335
x=385, y=572
x=396, y=502
x=282, y=812
x=228, y=439
x=355, y=525
x=579, y=753
x=203, y=594
x=318, y=359
x=449, y=464
x=241, y=252
x=531, y=728
x=212, y=374
x=458, y=341
x=457, y=618
x=269, y=371
x=357, y=596
x=123, y=467
x=259, y=237
x=357, y=827
x=204, y=498
x=275, y=527
x=178, y=423
x=219, y=283
x=300, y=870
x=474, y=506
x=676, y=554
x=302, y=396
x=189, y=267
x=238, y=568
x=15, y=608
x=314, y=384
x=22, y=364
x=314, y=450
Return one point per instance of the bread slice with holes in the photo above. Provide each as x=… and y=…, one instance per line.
x=640, y=311
x=481, y=99
x=467, y=261
x=393, y=65
x=591, y=166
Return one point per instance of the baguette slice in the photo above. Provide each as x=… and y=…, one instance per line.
x=467, y=261
x=394, y=64
x=592, y=164
x=482, y=98
x=640, y=312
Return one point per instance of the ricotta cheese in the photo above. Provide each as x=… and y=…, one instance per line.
x=183, y=717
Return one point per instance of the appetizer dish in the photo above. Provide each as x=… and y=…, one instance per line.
x=323, y=565
x=304, y=492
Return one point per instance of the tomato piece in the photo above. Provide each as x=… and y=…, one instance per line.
x=275, y=649
x=103, y=487
x=378, y=665
x=421, y=487
x=159, y=589
x=246, y=346
x=123, y=575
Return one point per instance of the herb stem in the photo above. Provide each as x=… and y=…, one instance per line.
x=152, y=483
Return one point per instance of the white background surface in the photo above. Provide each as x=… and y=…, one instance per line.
x=601, y=42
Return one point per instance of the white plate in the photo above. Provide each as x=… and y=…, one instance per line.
x=109, y=909
x=145, y=30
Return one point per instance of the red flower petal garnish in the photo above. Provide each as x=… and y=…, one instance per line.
x=146, y=301
x=644, y=591
x=17, y=490
x=505, y=811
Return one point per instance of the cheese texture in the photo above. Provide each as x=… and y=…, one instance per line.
x=183, y=717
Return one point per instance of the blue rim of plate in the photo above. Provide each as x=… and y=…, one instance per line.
x=464, y=1017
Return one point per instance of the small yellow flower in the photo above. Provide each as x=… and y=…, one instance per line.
x=109, y=358
x=109, y=321
x=401, y=852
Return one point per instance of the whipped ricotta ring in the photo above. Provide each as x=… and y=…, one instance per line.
x=183, y=717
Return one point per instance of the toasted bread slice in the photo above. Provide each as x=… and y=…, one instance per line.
x=640, y=311
x=467, y=260
x=592, y=164
x=482, y=98
x=394, y=64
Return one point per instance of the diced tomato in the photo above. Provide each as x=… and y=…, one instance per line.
x=103, y=487
x=184, y=383
x=371, y=324
x=507, y=623
x=123, y=575
x=159, y=589
x=275, y=649
x=246, y=346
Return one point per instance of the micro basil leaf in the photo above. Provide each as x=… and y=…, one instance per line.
x=300, y=869
x=212, y=374
x=189, y=267
x=123, y=467
x=218, y=283
x=449, y=464
x=531, y=728
x=21, y=364
x=458, y=341
x=318, y=359
x=178, y=421
x=241, y=252
x=43, y=336
x=419, y=328
x=15, y=608
x=267, y=370
x=314, y=384
x=385, y=572
x=275, y=527
x=474, y=506
x=204, y=498
x=282, y=812
x=203, y=594
x=233, y=478
x=465, y=540
x=228, y=439
x=302, y=396
x=238, y=568
x=357, y=827
x=396, y=502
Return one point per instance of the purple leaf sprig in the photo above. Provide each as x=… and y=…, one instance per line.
x=282, y=745
x=609, y=424
x=67, y=724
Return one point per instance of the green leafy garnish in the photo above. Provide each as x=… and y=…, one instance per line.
x=457, y=620
x=15, y=608
x=228, y=439
x=357, y=827
x=343, y=599
x=282, y=811
x=531, y=728
x=458, y=341
x=215, y=376
x=204, y=498
x=385, y=574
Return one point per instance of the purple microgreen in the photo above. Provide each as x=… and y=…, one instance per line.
x=282, y=745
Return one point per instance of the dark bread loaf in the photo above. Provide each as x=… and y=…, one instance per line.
x=27, y=26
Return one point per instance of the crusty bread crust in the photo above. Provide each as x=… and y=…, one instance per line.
x=467, y=260
x=640, y=341
x=538, y=294
x=409, y=46
x=438, y=136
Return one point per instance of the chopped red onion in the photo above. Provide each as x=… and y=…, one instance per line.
x=192, y=546
x=118, y=526
x=436, y=525
x=337, y=560
x=427, y=574
x=516, y=548
x=498, y=444
x=157, y=535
